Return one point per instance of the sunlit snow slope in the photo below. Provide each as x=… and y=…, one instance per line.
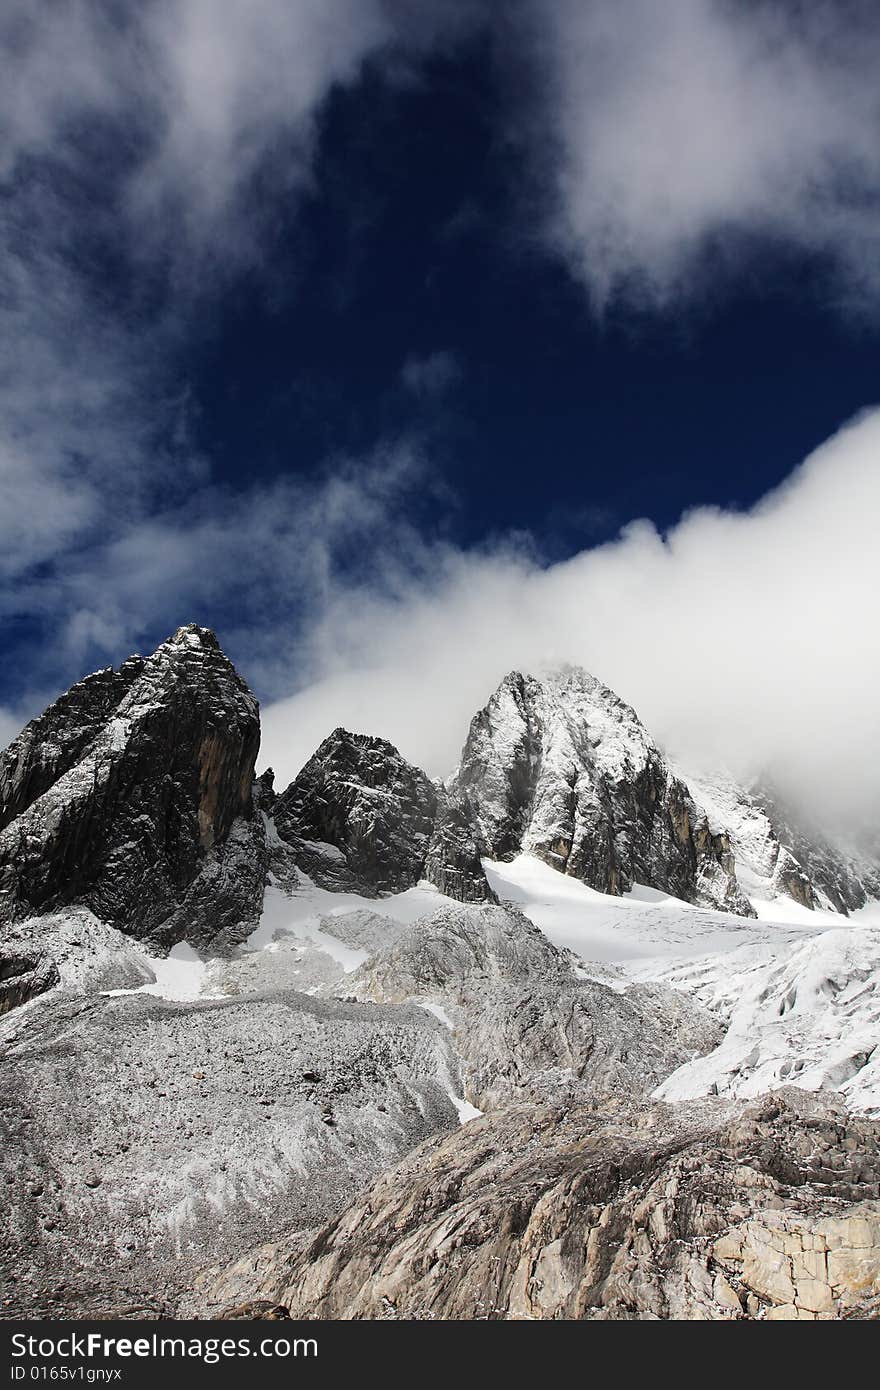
x=801, y=995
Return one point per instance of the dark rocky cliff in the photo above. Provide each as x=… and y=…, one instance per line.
x=132, y=795
x=388, y=823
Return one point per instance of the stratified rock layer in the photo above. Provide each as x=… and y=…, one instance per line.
x=767, y=1211
x=132, y=795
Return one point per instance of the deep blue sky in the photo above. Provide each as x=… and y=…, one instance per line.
x=557, y=422
x=640, y=255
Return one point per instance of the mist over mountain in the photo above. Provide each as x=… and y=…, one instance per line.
x=439, y=489
x=252, y=1001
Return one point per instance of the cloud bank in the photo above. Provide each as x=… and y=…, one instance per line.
x=745, y=638
x=678, y=134
x=165, y=145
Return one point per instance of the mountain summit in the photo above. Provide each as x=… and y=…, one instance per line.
x=562, y=768
x=132, y=794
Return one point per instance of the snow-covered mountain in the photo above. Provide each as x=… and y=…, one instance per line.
x=778, y=857
x=563, y=769
x=229, y=1009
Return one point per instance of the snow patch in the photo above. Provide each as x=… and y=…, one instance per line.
x=806, y=1015
x=304, y=912
x=181, y=975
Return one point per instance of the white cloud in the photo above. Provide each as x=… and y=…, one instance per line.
x=196, y=98
x=678, y=132
x=741, y=637
x=131, y=138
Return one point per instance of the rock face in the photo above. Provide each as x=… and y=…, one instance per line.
x=132, y=795
x=363, y=819
x=563, y=769
x=23, y=976
x=522, y=1013
x=781, y=856
x=453, y=862
x=140, y=1138
x=810, y=869
x=767, y=1211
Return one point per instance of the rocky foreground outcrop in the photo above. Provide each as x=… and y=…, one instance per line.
x=563, y=769
x=714, y=1212
x=131, y=795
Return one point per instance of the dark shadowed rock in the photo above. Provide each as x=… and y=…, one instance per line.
x=563, y=769
x=23, y=977
x=132, y=795
x=453, y=863
x=363, y=819
x=53, y=743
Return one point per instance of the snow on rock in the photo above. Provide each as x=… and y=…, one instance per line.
x=806, y=1014
x=799, y=996
x=131, y=795
x=641, y=924
x=563, y=769
x=778, y=859
x=360, y=818
x=180, y=975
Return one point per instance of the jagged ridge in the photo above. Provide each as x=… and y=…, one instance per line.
x=132, y=795
x=563, y=769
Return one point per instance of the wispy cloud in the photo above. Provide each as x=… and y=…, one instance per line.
x=431, y=375
x=133, y=140
x=745, y=637
x=271, y=555
x=677, y=134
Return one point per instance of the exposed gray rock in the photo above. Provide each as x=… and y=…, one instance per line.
x=360, y=818
x=52, y=743
x=357, y=795
x=132, y=795
x=763, y=1211
x=142, y=1139
x=563, y=769
x=23, y=976
x=366, y=931
x=522, y=1013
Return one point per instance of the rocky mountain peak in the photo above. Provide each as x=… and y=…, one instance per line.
x=359, y=816
x=561, y=767
x=132, y=793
